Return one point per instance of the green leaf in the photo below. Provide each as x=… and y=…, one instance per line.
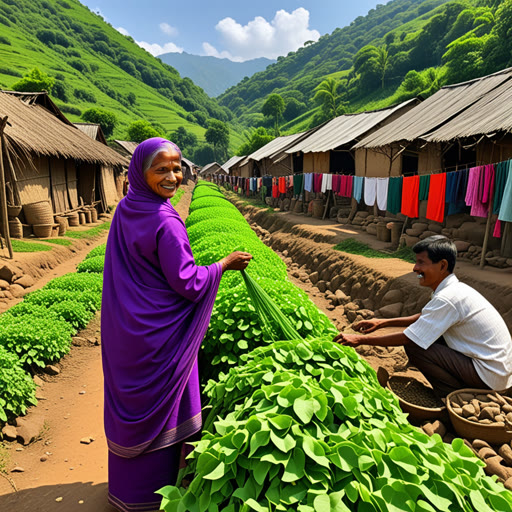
x=294, y=469
x=281, y=421
x=217, y=473
x=260, y=438
x=256, y=506
x=305, y=409
x=314, y=450
x=285, y=444
x=322, y=503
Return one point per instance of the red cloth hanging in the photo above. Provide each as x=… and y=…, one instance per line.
x=282, y=185
x=410, y=196
x=436, y=197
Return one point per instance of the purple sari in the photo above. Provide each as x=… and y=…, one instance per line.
x=156, y=308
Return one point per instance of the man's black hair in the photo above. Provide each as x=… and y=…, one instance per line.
x=438, y=248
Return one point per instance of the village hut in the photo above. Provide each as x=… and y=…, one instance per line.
x=50, y=166
x=328, y=149
x=125, y=147
x=212, y=168
x=232, y=165
x=269, y=160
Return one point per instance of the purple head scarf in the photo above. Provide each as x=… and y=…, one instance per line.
x=156, y=308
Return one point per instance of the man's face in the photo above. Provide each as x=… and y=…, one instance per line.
x=429, y=273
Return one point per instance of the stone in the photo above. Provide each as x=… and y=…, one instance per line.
x=436, y=228
x=17, y=469
x=368, y=304
x=414, y=232
x=421, y=226
x=38, y=381
x=366, y=313
x=411, y=240
x=87, y=440
x=341, y=297
x=26, y=281
x=351, y=315
x=4, y=285
x=314, y=277
x=17, y=291
x=29, y=427
x=362, y=215
x=9, y=433
x=322, y=286
x=7, y=272
x=391, y=297
x=51, y=370
x=462, y=246
x=44, y=458
x=78, y=341
x=392, y=310
x=371, y=229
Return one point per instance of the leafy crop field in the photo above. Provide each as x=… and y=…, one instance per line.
x=303, y=424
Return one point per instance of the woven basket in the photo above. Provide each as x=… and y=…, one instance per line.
x=88, y=216
x=73, y=219
x=38, y=213
x=63, y=224
x=494, y=434
x=81, y=217
x=15, y=228
x=13, y=211
x=42, y=230
x=94, y=215
x=55, y=230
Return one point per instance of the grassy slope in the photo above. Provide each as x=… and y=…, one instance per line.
x=27, y=52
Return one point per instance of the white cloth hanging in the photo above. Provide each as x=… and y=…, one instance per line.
x=370, y=191
x=326, y=182
x=382, y=193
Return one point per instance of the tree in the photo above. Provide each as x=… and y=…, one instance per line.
x=254, y=140
x=294, y=108
x=274, y=107
x=186, y=140
x=372, y=63
x=327, y=95
x=217, y=134
x=141, y=130
x=107, y=120
x=204, y=154
x=34, y=81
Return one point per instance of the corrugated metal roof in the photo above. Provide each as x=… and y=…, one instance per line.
x=127, y=145
x=273, y=147
x=344, y=129
x=189, y=162
x=34, y=126
x=437, y=118
x=92, y=130
x=232, y=161
x=212, y=168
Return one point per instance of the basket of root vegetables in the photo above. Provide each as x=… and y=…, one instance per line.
x=481, y=414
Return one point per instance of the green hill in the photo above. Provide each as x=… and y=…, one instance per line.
x=96, y=66
x=399, y=50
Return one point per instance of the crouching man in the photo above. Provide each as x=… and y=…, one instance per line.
x=458, y=340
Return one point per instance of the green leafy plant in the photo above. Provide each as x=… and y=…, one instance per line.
x=93, y=264
x=97, y=251
x=83, y=282
x=49, y=296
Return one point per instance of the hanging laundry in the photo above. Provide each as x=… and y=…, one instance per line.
x=382, y=193
x=275, y=188
x=298, y=181
x=370, y=191
x=282, y=185
x=410, y=196
x=317, y=182
x=424, y=184
x=308, y=182
x=506, y=201
x=497, y=229
x=436, y=197
x=347, y=190
x=336, y=181
x=456, y=184
x=394, y=195
x=502, y=172
x=326, y=182
x=358, y=188
x=480, y=189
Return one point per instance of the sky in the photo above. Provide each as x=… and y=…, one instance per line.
x=235, y=29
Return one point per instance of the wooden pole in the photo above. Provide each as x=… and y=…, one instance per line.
x=487, y=233
x=3, y=196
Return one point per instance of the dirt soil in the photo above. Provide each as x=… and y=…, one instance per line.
x=72, y=476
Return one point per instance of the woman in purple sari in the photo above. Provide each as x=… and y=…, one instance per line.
x=156, y=308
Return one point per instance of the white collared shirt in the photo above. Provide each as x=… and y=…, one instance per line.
x=470, y=325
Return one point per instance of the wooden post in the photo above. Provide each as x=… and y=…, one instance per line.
x=3, y=195
x=487, y=233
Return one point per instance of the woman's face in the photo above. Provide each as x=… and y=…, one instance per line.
x=164, y=176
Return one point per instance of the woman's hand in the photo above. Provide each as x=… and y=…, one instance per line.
x=367, y=326
x=349, y=340
x=237, y=260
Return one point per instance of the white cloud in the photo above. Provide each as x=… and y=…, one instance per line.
x=211, y=51
x=123, y=31
x=259, y=38
x=168, y=29
x=156, y=49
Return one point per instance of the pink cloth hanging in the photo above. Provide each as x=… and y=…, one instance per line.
x=480, y=189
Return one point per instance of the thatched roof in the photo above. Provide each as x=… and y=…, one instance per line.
x=93, y=131
x=35, y=125
x=477, y=107
x=346, y=129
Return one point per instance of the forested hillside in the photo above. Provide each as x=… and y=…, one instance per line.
x=214, y=75
x=91, y=65
x=399, y=50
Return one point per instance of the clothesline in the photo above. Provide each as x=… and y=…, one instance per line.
x=463, y=191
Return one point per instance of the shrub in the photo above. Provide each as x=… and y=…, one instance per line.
x=93, y=264
x=34, y=81
x=69, y=109
x=74, y=313
x=106, y=119
x=6, y=41
x=49, y=296
x=97, y=251
x=79, y=66
x=83, y=95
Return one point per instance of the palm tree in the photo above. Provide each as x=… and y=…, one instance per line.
x=327, y=95
x=382, y=58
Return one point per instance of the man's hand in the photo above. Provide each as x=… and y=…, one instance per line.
x=349, y=340
x=367, y=326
